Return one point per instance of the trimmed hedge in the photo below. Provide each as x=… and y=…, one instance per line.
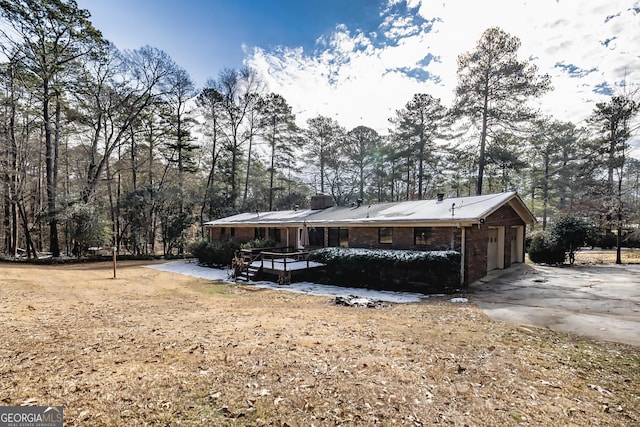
x=420, y=271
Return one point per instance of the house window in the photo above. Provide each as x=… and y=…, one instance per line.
x=274, y=234
x=316, y=237
x=223, y=231
x=260, y=233
x=339, y=237
x=421, y=236
x=233, y=232
x=385, y=235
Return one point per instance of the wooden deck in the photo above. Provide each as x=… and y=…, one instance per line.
x=282, y=263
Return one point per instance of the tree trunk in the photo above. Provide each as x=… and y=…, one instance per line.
x=233, y=194
x=31, y=249
x=619, y=231
x=545, y=189
x=51, y=172
x=483, y=137
x=246, y=178
x=6, y=223
x=134, y=160
x=273, y=163
x=408, y=194
x=421, y=163
x=208, y=195
x=151, y=231
x=321, y=171
x=180, y=147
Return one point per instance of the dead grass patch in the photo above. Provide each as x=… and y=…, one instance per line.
x=156, y=348
x=607, y=256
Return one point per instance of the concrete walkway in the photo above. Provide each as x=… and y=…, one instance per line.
x=597, y=301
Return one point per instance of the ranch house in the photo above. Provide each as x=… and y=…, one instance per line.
x=488, y=230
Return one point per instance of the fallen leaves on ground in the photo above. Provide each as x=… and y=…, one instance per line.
x=156, y=348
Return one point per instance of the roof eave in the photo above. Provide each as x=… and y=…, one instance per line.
x=450, y=222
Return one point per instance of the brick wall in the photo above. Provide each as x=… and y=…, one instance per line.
x=241, y=234
x=215, y=233
x=477, y=241
x=245, y=234
x=438, y=238
x=364, y=237
x=475, y=253
x=504, y=216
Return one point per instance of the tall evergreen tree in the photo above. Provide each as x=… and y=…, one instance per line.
x=322, y=137
x=505, y=154
x=612, y=121
x=181, y=90
x=418, y=125
x=210, y=101
x=361, y=148
x=494, y=87
x=279, y=130
x=553, y=163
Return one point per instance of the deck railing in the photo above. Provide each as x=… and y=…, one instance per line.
x=270, y=258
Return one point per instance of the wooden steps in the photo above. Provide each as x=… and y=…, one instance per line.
x=249, y=271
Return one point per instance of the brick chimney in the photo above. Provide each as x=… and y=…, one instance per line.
x=321, y=201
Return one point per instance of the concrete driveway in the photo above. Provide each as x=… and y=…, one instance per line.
x=597, y=301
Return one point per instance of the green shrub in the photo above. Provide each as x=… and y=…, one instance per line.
x=423, y=271
x=631, y=240
x=258, y=243
x=570, y=232
x=543, y=248
x=215, y=253
x=608, y=240
x=595, y=238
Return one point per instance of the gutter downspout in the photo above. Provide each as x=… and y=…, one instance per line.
x=463, y=239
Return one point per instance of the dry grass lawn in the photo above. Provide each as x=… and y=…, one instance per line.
x=607, y=256
x=160, y=349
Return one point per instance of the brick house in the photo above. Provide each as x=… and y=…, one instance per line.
x=487, y=230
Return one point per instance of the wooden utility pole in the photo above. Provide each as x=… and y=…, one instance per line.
x=114, y=250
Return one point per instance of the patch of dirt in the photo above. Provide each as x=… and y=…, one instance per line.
x=157, y=348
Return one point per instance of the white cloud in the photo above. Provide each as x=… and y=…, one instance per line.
x=343, y=82
x=354, y=77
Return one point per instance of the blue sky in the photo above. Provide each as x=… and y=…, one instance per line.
x=205, y=36
x=360, y=60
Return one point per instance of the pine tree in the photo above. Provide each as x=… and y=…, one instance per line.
x=494, y=87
